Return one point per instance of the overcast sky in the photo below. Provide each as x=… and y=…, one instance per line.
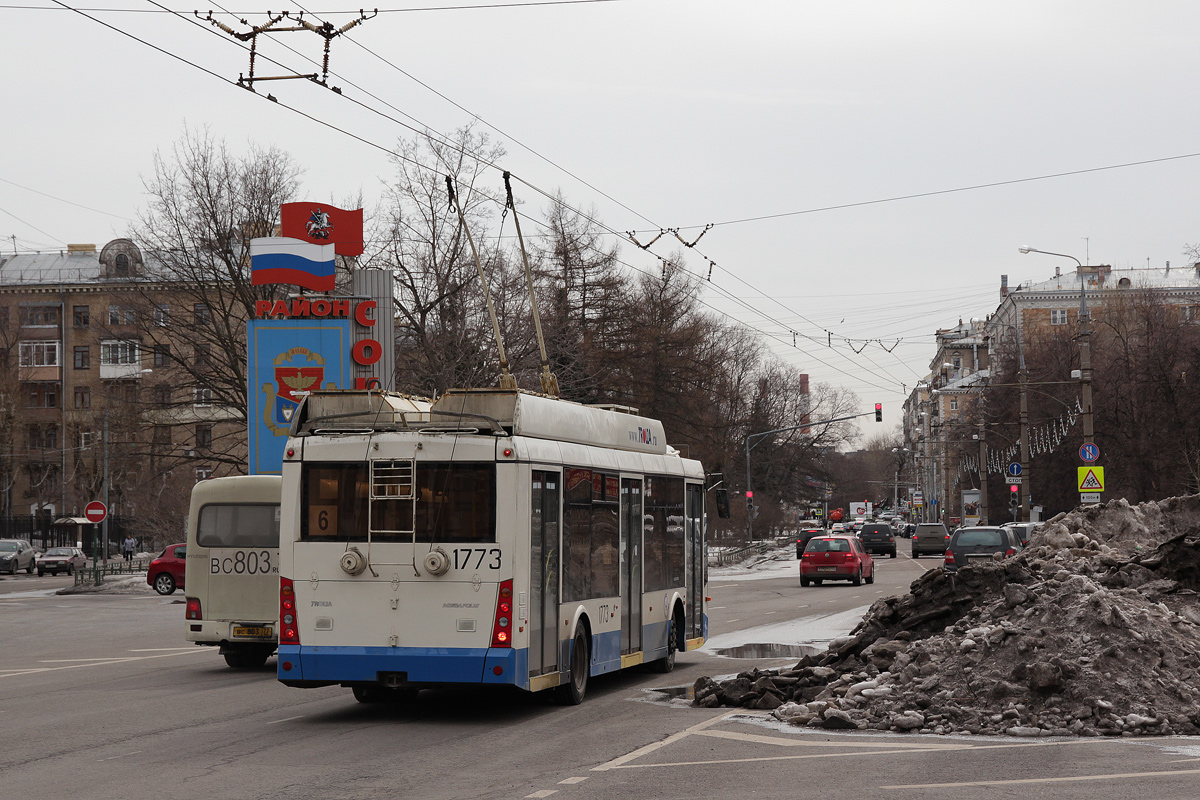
x=688, y=112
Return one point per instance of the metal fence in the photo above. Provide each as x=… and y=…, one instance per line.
x=95, y=575
x=725, y=556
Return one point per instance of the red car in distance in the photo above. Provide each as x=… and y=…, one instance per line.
x=836, y=558
x=165, y=573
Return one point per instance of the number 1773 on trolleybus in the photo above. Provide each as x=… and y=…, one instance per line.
x=489, y=537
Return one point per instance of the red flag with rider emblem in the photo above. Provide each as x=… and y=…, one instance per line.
x=321, y=223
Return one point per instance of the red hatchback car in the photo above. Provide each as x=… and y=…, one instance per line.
x=166, y=572
x=836, y=558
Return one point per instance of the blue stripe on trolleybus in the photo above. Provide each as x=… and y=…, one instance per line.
x=421, y=664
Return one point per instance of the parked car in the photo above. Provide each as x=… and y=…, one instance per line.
x=1024, y=530
x=929, y=539
x=17, y=554
x=979, y=543
x=836, y=558
x=877, y=537
x=166, y=572
x=805, y=535
x=61, y=559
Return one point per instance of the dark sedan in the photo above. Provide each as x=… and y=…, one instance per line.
x=60, y=559
x=978, y=544
x=805, y=535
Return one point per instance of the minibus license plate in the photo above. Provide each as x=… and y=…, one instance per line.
x=258, y=632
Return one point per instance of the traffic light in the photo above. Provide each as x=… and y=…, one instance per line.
x=879, y=412
x=1014, y=501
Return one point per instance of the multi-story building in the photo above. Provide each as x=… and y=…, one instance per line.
x=940, y=423
x=99, y=364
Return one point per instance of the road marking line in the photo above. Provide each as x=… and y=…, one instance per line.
x=543, y=793
x=288, y=719
x=32, y=670
x=1066, y=779
x=1183, y=760
x=620, y=761
x=802, y=742
x=717, y=608
x=76, y=660
x=772, y=612
x=123, y=755
x=574, y=780
x=161, y=650
x=728, y=621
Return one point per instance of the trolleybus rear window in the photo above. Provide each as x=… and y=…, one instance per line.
x=442, y=502
x=238, y=525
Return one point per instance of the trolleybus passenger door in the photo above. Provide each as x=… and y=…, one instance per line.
x=697, y=561
x=543, y=584
x=631, y=565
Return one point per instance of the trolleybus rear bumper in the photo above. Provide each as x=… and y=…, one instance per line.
x=325, y=666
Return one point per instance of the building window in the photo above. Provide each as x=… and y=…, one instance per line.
x=1190, y=313
x=203, y=437
x=202, y=397
x=162, y=314
x=119, y=353
x=954, y=404
x=200, y=315
x=114, y=315
x=41, y=395
x=83, y=316
x=39, y=315
x=957, y=361
x=162, y=355
x=130, y=317
x=201, y=352
x=203, y=473
x=162, y=435
x=1058, y=316
x=88, y=439
x=121, y=263
x=43, y=437
x=39, y=354
x=83, y=397
x=162, y=395
x=83, y=357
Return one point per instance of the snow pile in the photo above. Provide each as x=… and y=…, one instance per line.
x=1093, y=630
x=121, y=584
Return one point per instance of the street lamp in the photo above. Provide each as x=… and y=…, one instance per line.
x=108, y=515
x=1085, y=342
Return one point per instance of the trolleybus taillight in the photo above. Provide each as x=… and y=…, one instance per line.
x=287, y=613
x=193, y=609
x=502, y=629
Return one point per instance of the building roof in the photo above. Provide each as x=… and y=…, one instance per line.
x=60, y=266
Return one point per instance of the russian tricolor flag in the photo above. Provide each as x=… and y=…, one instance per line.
x=278, y=259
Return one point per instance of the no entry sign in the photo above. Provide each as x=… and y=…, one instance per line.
x=95, y=511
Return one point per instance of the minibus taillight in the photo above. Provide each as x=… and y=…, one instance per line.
x=287, y=613
x=502, y=628
x=193, y=608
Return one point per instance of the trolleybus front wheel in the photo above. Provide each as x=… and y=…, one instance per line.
x=572, y=692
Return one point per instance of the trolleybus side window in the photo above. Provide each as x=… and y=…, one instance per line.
x=664, y=533
x=238, y=525
x=591, y=567
x=444, y=503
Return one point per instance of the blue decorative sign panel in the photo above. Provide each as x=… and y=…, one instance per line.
x=287, y=357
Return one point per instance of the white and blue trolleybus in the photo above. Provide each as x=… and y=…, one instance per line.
x=491, y=537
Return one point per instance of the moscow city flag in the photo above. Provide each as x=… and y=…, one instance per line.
x=279, y=259
x=321, y=223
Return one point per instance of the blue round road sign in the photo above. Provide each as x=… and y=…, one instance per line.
x=1089, y=452
x=1014, y=469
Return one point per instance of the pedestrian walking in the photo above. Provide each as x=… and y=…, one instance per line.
x=128, y=547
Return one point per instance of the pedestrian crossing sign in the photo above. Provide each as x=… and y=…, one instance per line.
x=1091, y=479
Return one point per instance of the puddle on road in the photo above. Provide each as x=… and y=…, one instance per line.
x=768, y=650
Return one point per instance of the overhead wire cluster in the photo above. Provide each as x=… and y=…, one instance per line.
x=786, y=334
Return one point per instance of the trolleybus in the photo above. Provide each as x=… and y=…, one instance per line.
x=492, y=537
x=232, y=567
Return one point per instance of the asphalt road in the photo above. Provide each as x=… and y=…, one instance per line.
x=100, y=697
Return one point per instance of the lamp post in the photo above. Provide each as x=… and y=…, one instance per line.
x=1023, y=380
x=1085, y=342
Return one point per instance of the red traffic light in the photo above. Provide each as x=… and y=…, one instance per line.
x=879, y=412
x=1014, y=488
x=749, y=493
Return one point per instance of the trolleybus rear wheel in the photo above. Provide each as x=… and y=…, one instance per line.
x=571, y=693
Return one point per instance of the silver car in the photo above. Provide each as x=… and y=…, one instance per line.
x=17, y=554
